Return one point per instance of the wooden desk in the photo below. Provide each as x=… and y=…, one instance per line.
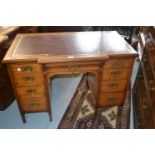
x=34, y=59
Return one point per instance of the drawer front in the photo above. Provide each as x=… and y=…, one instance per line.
x=112, y=86
x=26, y=68
x=28, y=92
x=116, y=64
x=115, y=74
x=34, y=104
x=28, y=80
x=74, y=68
x=110, y=99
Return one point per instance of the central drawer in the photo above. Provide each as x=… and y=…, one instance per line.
x=34, y=104
x=73, y=68
x=28, y=92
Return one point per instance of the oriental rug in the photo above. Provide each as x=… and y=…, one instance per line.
x=83, y=114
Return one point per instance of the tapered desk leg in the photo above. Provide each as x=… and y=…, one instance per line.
x=23, y=117
x=50, y=115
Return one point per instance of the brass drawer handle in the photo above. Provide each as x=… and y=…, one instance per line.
x=73, y=68
x=28, y=79
x=25, y=69
x=31, y=91
x=145, y=59
x=144, y=103
x=151, y=85
x=113, y=85
x=111, y=98
x=117, y=64
x=152, y=48
x=34, y=104
x=115, y=74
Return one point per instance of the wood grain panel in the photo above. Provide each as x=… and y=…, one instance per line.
x=28, y=80
x=28, y=92
x=116, y=64
x=26, y=68
x=34, y=104
x=110, y=99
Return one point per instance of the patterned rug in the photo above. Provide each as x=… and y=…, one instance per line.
x=82, y=114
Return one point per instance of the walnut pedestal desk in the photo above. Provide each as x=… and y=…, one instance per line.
x=34, y=59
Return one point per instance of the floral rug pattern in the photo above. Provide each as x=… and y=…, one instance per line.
x=82, y=114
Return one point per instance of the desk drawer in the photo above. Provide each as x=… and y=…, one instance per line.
x=28, y=80
x=115, y=74
x=110, y=99
x=112, y=86
x=28, y=92
x=26, y=68
x=34, y=104
x=71, y=69
x=116, y=64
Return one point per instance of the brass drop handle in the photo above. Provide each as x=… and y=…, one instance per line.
x=25, y=69
x=151, y=85
x=34, y=104
x=115, y=74
x=152, y=88
x=152, y=48
x=73, y=68
x=28, y=79
x=145, y=58
x=113, y=85
x=31, y=91
x=144, y=103
x=117, y=64
x=111, y=98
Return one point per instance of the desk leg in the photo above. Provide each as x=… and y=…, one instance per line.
x=48, y=92
x=23, y=117
x=98, y=78
x=50, y=115
x=93, y=84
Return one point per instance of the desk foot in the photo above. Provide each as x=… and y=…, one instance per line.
x=50, y=116
x=23, y=118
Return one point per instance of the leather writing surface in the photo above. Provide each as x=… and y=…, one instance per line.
x=72, y=43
